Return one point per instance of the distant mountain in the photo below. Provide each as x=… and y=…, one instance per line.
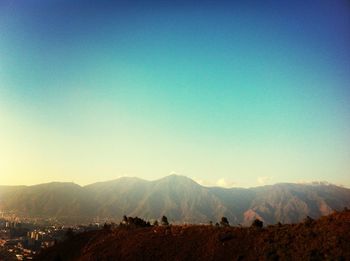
x=178, y=197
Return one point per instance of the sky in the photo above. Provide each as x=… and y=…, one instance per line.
x=229, y=93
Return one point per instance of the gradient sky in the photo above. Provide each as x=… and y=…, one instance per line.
x=243, y=93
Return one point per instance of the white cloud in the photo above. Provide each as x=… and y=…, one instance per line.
x=225, y=183
x=222, y=182
x=202, y=182
x=263, y=180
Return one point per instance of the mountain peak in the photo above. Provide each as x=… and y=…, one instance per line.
x=178, y=197
x=178, y=179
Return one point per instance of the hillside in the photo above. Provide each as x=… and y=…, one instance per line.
x=325, y=239
x=179, y=198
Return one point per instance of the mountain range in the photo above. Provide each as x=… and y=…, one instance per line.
x=179, y=198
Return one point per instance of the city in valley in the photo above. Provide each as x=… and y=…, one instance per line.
x=22, y=238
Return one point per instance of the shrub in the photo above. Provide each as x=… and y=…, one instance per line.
x=164, y=221
x=257, y=223
x=224, y=222
x=135, y=222
x=107, y=226
x=308, y=221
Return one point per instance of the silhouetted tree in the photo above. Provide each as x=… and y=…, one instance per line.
x=210, y=223
x=135, y=222
x=224, y=222
x=130, y=221
x=164, y=221
x=308, y=221
x=257, y=223
x=155, y=223
x=107, y=226
x=125, y=219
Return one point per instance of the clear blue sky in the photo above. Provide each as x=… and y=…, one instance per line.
x=243, y=93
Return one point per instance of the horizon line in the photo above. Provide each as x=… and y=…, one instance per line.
x=314, y=182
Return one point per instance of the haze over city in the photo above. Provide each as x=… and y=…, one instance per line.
x=229, y=94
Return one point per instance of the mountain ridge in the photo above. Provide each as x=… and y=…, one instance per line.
x=173, y=176
x=178, y=197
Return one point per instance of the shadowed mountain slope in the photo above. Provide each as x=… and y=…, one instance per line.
x=178, y=197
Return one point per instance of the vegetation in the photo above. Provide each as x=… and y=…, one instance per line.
x=326, y=239
x=257, y=223
x=134, y=222
x=224, y=222
x=164, y=221
x=308, y=221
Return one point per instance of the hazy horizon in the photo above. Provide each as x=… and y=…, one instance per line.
x=221, y=183
x=233, y=94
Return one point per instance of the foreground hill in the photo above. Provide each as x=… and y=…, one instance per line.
x=178, y=197
x=325, y=239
